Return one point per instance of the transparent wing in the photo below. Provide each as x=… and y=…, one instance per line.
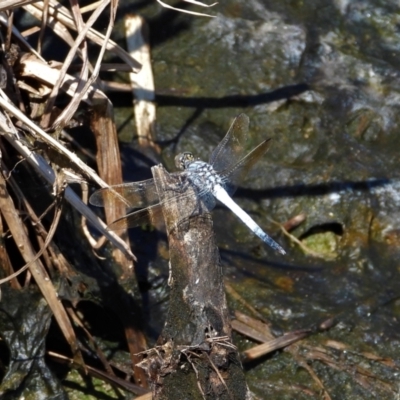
x=233, y=175
x=149, y=215
x=232, y=146
x=153, y=214
x=137, y=195
x=133, y=195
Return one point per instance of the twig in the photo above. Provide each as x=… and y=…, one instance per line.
x=293, y=350
x=69, y=111
x=294, y=239
x=142, y=82
x=68, y=60
x=219, y=375
x=36, y=268
x=165, y=5
x=17, y=34
x=103, y=375
x=49, y=237
x=43, y=25
x=60, y=187
x=42, y=167
x=11, y=4
x=189, y=358
x=274, y=344
x=10, y=21
x=63, y=15
x=238, y=297
x=49, y=140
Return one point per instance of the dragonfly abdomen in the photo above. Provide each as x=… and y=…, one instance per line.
x=221, y=194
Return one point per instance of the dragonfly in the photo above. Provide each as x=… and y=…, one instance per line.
x=215, y=180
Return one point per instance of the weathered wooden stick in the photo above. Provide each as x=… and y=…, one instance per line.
x=195, y=357
x=137, y=42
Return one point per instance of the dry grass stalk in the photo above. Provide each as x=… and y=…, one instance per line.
x=57, y=215
x=42, y=167
x=6, y=262
x=104, y=376
x=232, y=292
x=142, y=82
x=48, y=82
x=16, y=227
x=48, y=75
x=37, y=82
x=251, y=327
x=364, y=377
x=43, y=25
x=106, y=154
x=11, y=4
x=197, y=3
x=63, y=15
x=274, y=344
x=7, y=21
x=82, y=85
x=294, y=239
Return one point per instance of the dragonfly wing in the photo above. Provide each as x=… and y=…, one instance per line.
x=133, y=195
x=232, y=146
x=232, y=176
x=153, y=214
x=149, y=215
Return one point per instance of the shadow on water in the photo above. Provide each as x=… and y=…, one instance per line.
x=284, y=92
x=319, y=189
x=242, y=256
x=206, y=102
x=200, y=104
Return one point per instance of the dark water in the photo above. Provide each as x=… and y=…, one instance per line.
x=322, y=79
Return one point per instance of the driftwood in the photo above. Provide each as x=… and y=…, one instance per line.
x=195, y=357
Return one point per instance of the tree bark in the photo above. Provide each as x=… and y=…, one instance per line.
x=195, y=358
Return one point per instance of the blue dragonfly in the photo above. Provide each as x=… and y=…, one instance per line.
x=215, y=180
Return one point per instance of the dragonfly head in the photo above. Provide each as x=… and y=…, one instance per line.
x=183, y=160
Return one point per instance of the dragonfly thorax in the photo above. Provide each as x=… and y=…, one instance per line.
x=202, y=175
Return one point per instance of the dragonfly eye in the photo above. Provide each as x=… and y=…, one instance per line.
x=183, y=160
